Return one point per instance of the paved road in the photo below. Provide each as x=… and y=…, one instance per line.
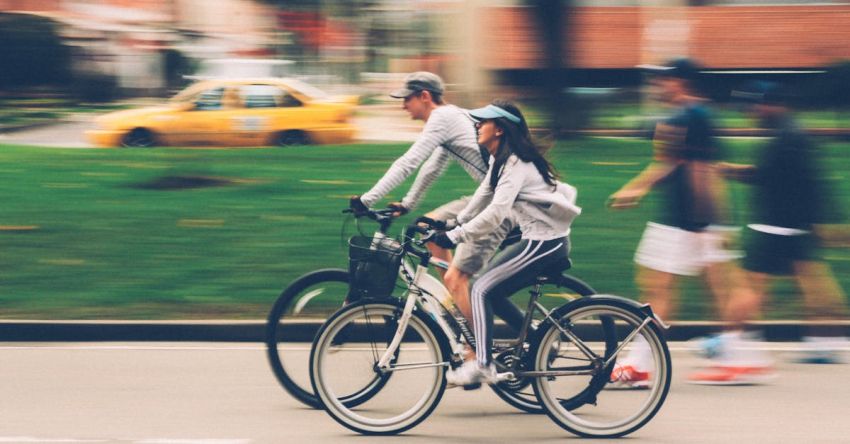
x=59, y=135
x=224, y=393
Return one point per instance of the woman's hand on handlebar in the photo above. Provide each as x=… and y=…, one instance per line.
x=441, y=239
x=436, y=224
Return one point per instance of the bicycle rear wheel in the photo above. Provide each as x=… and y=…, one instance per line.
x=581, y=334
x=520, y=393
x=307, y=301
x=342, y=366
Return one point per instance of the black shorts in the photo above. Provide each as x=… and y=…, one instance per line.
x=775, y=254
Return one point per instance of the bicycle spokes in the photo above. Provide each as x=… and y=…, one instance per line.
x=363, y=394
x=582, y=381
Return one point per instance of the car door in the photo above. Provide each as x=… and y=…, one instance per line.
x=269, y=111
x=208, y=122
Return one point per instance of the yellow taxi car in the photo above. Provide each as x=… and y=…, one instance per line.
x=233, y=112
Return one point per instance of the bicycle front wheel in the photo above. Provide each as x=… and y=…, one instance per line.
x=581, y=335
x=345, y=359
x=307, y=301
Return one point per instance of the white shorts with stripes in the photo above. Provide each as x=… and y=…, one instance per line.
x=682, y=252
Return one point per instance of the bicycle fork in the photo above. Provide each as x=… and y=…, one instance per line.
x=413, y=294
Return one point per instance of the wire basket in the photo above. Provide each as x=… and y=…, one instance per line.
x=373, y=266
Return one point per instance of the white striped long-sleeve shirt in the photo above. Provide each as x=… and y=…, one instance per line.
x=449, y=134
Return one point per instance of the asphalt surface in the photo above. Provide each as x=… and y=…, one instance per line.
x=224, y=393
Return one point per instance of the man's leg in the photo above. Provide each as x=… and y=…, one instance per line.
x=443, y=213
x=824, y=301
x=736, y=299
x=737, y=360
x=823, y=297
x=438, y=251
x=658, y=288
x=457, y=282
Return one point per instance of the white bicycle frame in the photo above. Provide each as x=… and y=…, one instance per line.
x=428, y=291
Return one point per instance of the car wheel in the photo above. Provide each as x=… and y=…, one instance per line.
x=138, y=138
x=291, y=138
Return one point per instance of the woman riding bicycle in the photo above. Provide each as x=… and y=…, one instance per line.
x=520, y=181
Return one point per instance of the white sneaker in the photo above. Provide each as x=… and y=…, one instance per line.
x=471, y=375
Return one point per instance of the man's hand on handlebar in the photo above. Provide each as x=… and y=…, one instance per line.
x=357, y=206
x=398, y=209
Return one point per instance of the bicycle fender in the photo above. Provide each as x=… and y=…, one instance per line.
x=643, y=308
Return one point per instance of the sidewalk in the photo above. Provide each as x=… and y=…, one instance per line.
x=254, y=330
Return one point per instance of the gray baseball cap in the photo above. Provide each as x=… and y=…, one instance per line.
x=419, y=81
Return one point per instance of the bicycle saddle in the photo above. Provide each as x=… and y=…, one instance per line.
x=562, y=265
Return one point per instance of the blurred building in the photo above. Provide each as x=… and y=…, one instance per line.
x=474, y=44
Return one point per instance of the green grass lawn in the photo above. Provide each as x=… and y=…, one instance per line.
x=99, y=234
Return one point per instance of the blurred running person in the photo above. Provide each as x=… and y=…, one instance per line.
x=686, y=240
x=449, y=134
x=789, y=203
x=522, y=182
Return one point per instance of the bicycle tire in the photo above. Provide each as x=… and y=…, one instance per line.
x=278, y=340
x=326, y=361
x=593, y=422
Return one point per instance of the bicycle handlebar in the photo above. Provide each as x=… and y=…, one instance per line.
x=423, y=225
x=384, y=216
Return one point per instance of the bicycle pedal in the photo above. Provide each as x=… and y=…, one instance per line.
x=475, y=386
x=507, y=376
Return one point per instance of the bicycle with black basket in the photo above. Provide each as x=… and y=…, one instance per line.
x=378, y=364
x=313, y=297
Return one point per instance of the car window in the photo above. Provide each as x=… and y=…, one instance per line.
x=267, y=96
x=209, y=99
x=307, y=89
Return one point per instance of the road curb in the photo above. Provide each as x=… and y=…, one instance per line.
x=254, y=330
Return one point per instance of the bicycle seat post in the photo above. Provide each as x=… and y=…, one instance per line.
x=534, y=295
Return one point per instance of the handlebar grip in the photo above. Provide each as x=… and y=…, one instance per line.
x=432, y=223
x=413, y=229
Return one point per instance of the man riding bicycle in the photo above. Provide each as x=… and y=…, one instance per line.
x=449, y=134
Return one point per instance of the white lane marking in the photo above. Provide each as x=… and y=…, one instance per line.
x=26, y=439
x=131, y=347
x=22, y=439
x=193, y=441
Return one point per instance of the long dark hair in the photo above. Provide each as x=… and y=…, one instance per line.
x=516, y=139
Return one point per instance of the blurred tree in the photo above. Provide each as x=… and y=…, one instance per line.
x=552, y=21
x=176, y=65
x=32, y=52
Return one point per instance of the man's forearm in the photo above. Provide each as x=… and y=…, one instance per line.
x=652, y=174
